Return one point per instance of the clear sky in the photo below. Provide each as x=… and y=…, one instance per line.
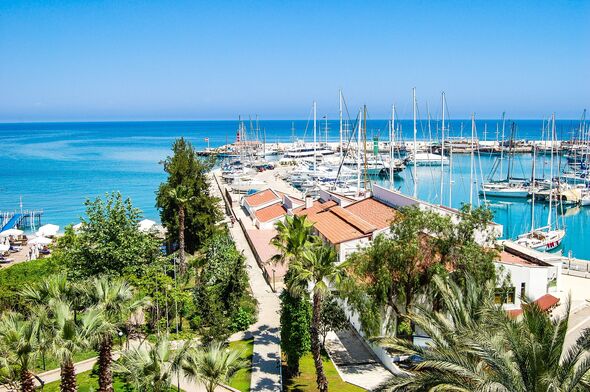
x=111, y=60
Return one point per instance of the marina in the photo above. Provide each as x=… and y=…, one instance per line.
x=74, y=152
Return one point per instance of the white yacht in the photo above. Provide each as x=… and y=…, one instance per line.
x=426, y=159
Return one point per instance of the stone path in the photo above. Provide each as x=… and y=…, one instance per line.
x=355, y=362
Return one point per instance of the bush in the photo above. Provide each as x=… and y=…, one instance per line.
x=241, y=320
x=13, y=279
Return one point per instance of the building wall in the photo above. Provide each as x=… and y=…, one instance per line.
x=535, y=278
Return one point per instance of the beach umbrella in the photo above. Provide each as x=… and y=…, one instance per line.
x=11, y=232
x=40, y=241
x=4, y=247
x=146, y=225
x=47, y=230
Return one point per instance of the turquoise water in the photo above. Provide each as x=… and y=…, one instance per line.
x=56, y=166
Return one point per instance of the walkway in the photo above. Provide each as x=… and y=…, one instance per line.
x=266, y=360
x=355, y=362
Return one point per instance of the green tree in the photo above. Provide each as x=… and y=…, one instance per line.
x=117, y=301
x=185, y=169
x=294, y=235
x=476, y=346
x=312, y=274
x=332, y=318
x=397, y=269
x=70, y=336
x=213, y=365
x=152, y=367
x=19, y=348
x=295, y=329
x=221, y=287
x=181, y=196
x=109, y=241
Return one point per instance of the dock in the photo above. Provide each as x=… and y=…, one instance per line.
x=28, y=219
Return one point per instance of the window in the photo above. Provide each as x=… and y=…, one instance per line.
x=522, y=291
x=505, y=295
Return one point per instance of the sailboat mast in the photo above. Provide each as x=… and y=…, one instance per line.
x=340, y=118
x=415, y=144
x=472, y=161
x=314, y=136
x=450, y=175
x=326, y=117
x=366, y=173
x=533, y=188
x=442, y=148
x=502, y=145
x=391, y=146
x=358, y=153
x=551, y=172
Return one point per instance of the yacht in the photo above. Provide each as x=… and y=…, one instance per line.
x=426, y=159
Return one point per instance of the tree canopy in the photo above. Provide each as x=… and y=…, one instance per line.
x=109, y=241
x=397, y=269
x=201, y=210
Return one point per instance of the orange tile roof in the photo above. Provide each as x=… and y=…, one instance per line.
x=360, y=224
x=374, y=212
x=546, y=301
x=509, y=258
x=261, y=197
x=335, y=223
x=271, y=212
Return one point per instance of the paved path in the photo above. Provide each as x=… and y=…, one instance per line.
x=355, y=362
x=578, y=321
x=266, y=360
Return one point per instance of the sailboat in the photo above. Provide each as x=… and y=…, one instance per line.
x=509, y=187
x=543, y=238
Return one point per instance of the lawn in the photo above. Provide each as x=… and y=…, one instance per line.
x=241, y=380
x=86, y=382
x=52, y=363
x=306, y=381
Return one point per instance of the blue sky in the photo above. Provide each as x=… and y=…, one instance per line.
x=103, y=60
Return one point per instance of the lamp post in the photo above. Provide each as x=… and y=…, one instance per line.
x=120, y=333
x=274, y=285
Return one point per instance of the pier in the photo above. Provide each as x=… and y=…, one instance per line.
x=28, y=219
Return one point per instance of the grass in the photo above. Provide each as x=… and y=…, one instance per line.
x=306, y=381
x=52, y=363
x=241, y=380
x=86, y=382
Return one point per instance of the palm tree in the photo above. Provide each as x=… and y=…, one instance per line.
x=70, y=336
x=18, y=339
x=116, y=299
x=181, y=195
x=151, y=367
x=478, y=347
x=294, y=235
x=56, y=287
x=314, y=271
x=214, y=365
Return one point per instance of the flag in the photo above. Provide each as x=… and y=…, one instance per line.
x=206, y=139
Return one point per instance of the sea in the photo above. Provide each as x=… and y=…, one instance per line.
x=55, y=167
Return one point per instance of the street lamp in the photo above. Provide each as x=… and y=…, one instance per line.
x=120, y=333
x=274, y=285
